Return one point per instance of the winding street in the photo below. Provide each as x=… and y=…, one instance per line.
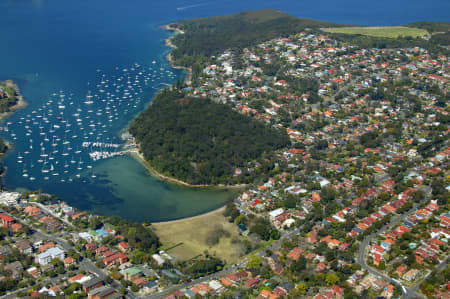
x=407, y=292
x=225, y=271
x=235, y=267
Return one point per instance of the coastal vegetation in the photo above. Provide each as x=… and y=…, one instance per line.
x=3, y=147
x=432, y=27
x=440, y=31
x=202, y=142
x=8, y=96
x=210, y=36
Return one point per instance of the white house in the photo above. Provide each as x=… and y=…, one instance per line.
x=159, y=260
x=216, y=286
x=52, y=253
x=9, y=198
x=275, y=213
x=86, y=236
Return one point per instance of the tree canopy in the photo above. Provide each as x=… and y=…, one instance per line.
x=210, y=36
x=199, y=141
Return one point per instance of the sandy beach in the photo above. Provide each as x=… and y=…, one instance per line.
x=213, y=212
x=138, y=155
x=154, y=172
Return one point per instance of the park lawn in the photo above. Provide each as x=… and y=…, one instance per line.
x=388, y=31
x=192, y=233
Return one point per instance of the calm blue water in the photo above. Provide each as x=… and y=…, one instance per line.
x=58, y=50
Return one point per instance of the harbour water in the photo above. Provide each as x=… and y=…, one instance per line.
x=87, y=68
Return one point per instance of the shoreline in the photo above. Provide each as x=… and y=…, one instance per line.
x=221, y=210
x=21, y=103
x=138, y=155
x=168, y=42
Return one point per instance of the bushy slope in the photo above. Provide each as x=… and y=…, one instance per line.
x=199, y=141
x=210, y=36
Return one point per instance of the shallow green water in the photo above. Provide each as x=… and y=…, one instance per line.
x=159, y=201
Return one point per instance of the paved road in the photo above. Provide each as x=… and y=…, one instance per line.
x=410, y=292
x=216, y=275
x=13, y=295
x=414, y=289
x=85, y=264
x=44, y=208
x=226, y=271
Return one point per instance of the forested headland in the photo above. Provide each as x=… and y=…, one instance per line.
x=9, y=96
x=210, y=36
x=205, y=37
x=202, y=142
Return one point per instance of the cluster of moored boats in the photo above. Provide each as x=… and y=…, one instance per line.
x=100, y=144
x=104, y=155
x=61, y=137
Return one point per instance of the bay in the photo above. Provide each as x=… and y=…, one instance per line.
x=58, y=47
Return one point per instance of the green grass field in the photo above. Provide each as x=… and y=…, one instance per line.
x=193, y=233
x=389, y=31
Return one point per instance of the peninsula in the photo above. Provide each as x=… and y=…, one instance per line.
x=342, y=136
x=10, y=98
x=334, y=211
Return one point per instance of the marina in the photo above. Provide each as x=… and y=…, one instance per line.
x=70, y=60
x=68, y=132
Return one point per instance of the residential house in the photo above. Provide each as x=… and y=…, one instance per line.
x=123, y=246
x=103, y=293
x=150, y=286
x=116, y=258
x=69, y=261
x=411, y=275
x=33, y=271
x=52, y=253
x=295, y=253
x=92, y=284
x=131, y=274
x=6, y=220
x=4, y=250
x=24, y=247
x=32, y=211
x=16, y=227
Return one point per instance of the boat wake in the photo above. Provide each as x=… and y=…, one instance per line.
x=191, y=6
